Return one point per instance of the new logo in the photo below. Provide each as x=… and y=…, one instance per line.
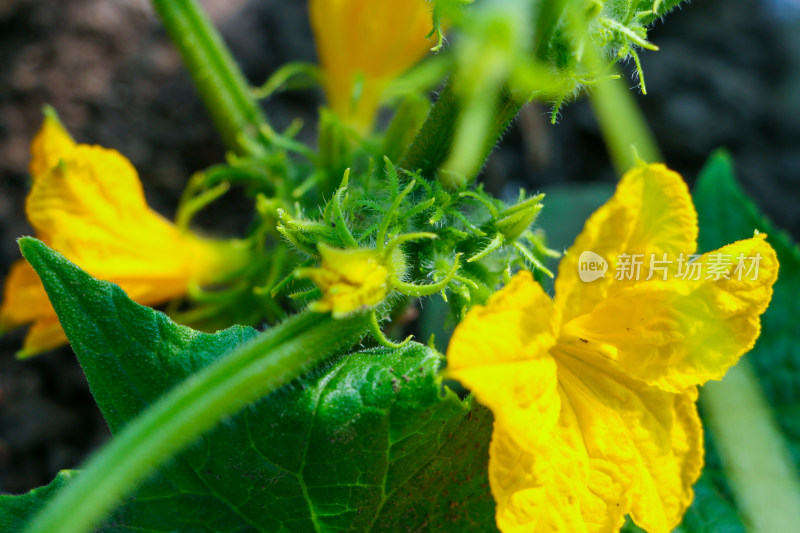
x=591, y=266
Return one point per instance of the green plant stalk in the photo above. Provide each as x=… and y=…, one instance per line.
x=623, y=125
x=192, y=408
x=755, y=457
x=432, y=145
x=225, y=91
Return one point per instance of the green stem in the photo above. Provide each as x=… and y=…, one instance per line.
x=623, y=125
x=225, y=91
x=432, y=145
x=189, y=410
x=755, y=457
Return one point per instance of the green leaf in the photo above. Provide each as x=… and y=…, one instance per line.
x=771, y=369
x=191, y=408
x=15, y=511
x=354, y=445
x=452, y=492
x=325, y=454
x=711, y=511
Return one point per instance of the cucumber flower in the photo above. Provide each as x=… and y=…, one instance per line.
x=594, y=392
x=87, y=203
x=351, y=280
x=362, y=46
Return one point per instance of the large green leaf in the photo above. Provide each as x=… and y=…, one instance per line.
x=358, y=445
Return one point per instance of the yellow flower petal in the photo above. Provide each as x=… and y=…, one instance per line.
x=680, y=333
x=91, y=208
x=651, y=212
x=364, y=45
x=628, y=357
x=674, y=478
x=619, y=447
x=517, y=323
x=646, y=441
x=537, y=491
x=24, y=297
x=350, y=280
x=500, y=353
x=50, y=145
x=43, y=335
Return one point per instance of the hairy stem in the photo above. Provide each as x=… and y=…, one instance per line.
x=432, y=146
x=221, y=84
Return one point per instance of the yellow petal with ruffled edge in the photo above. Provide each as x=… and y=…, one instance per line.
x=92, y=208
x=644, y=444
x=537, y=489
x=364, y=45
x=651, y=212
x=628, y=355
x=680, y=333
x=500, y=353
x=51, y=144
x=619, y=447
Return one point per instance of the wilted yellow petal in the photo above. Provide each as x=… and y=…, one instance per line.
x=362, y=46
x=681, y=333
x=350, y=280
x=50, y=145
x=87, y=203
x=650, y=212
x=91, y=208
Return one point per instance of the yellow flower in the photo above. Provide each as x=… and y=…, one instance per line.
x=362, y=46
x=87, y=203
x=594, y=393
x=350, y=280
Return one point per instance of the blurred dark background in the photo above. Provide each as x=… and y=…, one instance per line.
x=727, y=75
